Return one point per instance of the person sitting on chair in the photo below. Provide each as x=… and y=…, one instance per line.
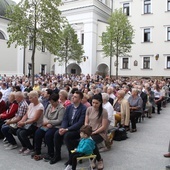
x=85, y=147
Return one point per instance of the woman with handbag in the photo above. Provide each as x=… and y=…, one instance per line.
x=51, y=123
x=9, y=113
x=30, y=122
x=10, y=127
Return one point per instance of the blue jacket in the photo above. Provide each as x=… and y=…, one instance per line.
x=86, y=146
x=78, y=120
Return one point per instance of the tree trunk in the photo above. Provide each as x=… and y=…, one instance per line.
x=66, y=57
x=117, y=67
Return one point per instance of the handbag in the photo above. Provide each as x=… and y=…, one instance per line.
x=30, y=127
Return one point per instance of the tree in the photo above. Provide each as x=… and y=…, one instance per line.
x=117, y=39
x=69, y=48
x=37, y=20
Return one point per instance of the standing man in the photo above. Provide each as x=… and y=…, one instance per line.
x=69, y=133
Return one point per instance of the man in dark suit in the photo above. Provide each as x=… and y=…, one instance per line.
x=143, y=95
x=69, y=132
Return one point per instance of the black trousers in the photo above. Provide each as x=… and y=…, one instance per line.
x=133, y=117
x=158, y=105
x=73, y=159
x=98, y=139
x=70, y=138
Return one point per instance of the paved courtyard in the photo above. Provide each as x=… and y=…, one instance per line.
x=141, y=151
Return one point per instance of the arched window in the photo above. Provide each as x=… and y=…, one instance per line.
x=2, y=36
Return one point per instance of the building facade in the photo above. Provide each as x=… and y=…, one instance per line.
x=150, y=54
x=149, y=57
x=17, y=61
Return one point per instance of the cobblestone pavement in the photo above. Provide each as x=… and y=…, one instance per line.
x=142, y=150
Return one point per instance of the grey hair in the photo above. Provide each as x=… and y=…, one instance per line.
x=105, y=96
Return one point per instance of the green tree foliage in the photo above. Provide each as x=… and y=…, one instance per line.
x=117, y=39
x=39, y=19
x=69, y=48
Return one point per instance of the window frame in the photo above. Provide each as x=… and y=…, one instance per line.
x=146, y=35
x=167, y=57
x=168, y=33
x=30, y=43
x=146, y=64
x=147, y=6
x=126, y=8
x=168, y=5
x=125, y=64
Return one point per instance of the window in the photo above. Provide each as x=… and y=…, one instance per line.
x=147, y=35
x=147, y=6
x=168, y=62
x=126, y=9
x=168, y=33
x=30, y=43
x=125, y=63
x=2, y=36
x=168, y=5
x=146, y=62
x=82, y=39
x=43, y=47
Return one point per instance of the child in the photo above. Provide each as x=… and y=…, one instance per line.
x=85, y=147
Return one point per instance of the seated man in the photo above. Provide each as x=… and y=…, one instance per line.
x=70, y=127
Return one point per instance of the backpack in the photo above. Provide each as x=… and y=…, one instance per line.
x=120, y=134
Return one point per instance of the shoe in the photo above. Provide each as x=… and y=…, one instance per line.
x=7, y=144
x=55, y=160
x=133, y=130
x=158, y=112
x=100, y=165
x=168, y=167
x=22, y=150
x=149, y=117
x=104, y=149
x=68, y=167
x=5, y=141
x=35, y=153
x=47, y=158
x=10, y=147
x=66, y=163
x=27, y=152
x=167, y=155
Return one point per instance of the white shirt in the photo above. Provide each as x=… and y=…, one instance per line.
x=110, y=112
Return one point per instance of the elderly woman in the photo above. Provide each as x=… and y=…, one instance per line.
x=109, y=108
x=10, y=112
x=136, y=108
x=97, y=118
x=85, y=100
x=30, y=122
x=121, y=108
x=63, y=95
x=51, y=123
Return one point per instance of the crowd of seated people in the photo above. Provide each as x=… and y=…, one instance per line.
x=56, y=107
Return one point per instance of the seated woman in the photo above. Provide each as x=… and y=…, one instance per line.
x=85, y=100
x=122, y=111
x=10, y=112
x=97, y=118
x=51, y=123
x=30, y=122
x=63, y=95
x=136, y=108
x=10, y=127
